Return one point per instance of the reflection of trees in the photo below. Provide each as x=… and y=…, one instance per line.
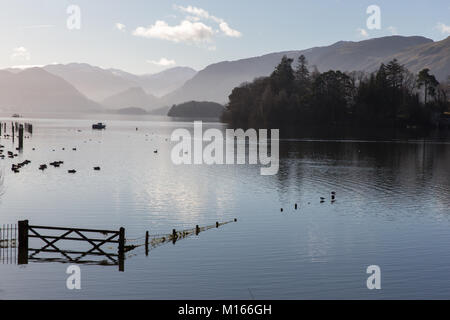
x=409, y=170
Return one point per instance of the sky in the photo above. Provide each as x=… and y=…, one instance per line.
x=147, y=36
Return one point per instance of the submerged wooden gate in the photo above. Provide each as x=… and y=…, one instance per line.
x=8, y=243
x=27, y=231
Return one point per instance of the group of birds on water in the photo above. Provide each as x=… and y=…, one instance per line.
x=56, y=164
x=322, y=200
x=333, y=197
x=10, y=154
x=15, y=167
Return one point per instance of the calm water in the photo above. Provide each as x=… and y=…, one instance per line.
x=392, y=210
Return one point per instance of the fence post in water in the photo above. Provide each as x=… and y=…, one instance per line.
x=217, y=224
x=197, y=230
x=174, y=236
x=121, y=249
x=21, y=137
x=146, y=243
x=23, y=242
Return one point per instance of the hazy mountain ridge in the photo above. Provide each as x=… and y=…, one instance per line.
x=36, y=90
x=132, y=97
x=94, y=82
x=215, y=82
x=98, y=84
x=164, y=82
x=73, y=87
x=70, y=87
x=435, y=56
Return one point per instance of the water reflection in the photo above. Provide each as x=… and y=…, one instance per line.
x=391, y=208
x=403, y=175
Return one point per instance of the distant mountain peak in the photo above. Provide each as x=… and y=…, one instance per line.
x=98, y=83
x=36, y=90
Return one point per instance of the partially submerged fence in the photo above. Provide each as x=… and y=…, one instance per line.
x=16, y=129
x=151, y=241
x=53, y=237
x=8, y=243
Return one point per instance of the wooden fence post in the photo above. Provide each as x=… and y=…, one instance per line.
x=21, y=137
x=121, y=249
x=146, y=243
x=174, y=236
x=23, y=242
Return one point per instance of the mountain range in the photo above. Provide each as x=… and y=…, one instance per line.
x=99, y=84
x=35, y=89
x=82, y=87
x=215, y=82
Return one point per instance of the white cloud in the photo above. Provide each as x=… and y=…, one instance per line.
x=163, y=62
x=443, y=28
x=191, y=29
x=120, y=26
x=20, y=53
x=228, y=31
x=201, y=13
x=198, y=13
x=186, y=31
x=392, y=30
x=362, y=32
x=193, y=18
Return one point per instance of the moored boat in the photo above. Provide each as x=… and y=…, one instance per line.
x=99, y=126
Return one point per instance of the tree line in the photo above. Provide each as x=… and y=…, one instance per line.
x=391, y=97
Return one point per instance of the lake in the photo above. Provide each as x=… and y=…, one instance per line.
x=392, y=209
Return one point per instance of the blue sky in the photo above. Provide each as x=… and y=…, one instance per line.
x=128, y=36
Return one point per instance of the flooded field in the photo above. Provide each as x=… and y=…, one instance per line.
x=391, y=209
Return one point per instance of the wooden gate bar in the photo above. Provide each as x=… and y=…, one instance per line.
x=72, y=238
x=78, y=229
x=50, y=240
x=73, y=252
x=23, y=242
x=50, y=244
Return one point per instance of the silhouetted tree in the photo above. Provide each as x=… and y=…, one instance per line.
x=302, y=72
x=428, y=82
x=283, y=76
x=385, y=98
